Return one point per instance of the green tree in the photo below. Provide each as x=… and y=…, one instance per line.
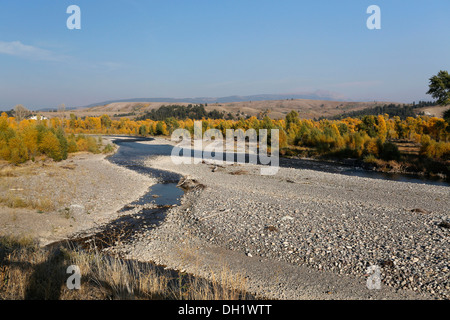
x=171, y=124
x=292, y=118
x=440, y=87
x=160, y=128
x=446, y=116
x=106, y=121
x=64, y=145
x=368, y=125
x=73, y=121
x=143, y=130
x=19, y=153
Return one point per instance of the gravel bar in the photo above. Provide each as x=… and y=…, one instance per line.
x=334, y=224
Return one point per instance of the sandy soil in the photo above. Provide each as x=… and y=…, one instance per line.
x=436, y=111
x=60, y=199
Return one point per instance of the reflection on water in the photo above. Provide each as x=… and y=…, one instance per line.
x=132, y=156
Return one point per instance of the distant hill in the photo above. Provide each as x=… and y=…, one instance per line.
x=318, y=95
x=393, y=110
x=55, y=109
x=276, y=109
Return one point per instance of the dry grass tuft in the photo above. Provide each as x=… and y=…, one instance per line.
x=30, y=272
x=43, y=203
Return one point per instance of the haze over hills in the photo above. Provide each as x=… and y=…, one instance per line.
x=277, y=106
x=317, y=95
x=309, y=105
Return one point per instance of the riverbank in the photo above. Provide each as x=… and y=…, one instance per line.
x=50, y=201
x=409, y=166
x=304, y=234
x=83, y=195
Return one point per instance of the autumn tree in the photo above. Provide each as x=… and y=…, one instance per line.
x=381, y=128
x=19, y=152
x=105, y=121
x=50, y=146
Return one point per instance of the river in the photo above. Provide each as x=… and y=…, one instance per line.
x=153, y=206
x=132, y=155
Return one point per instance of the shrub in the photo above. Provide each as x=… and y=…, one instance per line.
x=372, y=147
x=82, y=145
x=428, y=146
x=389, y=151
x=109, y=148
x=72, y=146
x=92, y=145
x=370, y=159
x=50, y=146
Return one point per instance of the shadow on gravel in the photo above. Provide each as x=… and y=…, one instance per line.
x=47, y=278
x=122, y=230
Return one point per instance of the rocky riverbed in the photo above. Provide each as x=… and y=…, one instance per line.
x=324, y=228
x=300, y=234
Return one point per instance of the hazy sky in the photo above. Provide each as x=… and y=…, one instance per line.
x=186, y=48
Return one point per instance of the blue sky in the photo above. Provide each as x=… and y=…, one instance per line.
x=186, y=48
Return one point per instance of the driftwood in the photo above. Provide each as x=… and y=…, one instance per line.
x=418, y=210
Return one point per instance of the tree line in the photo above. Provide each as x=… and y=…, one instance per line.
x=349, y=137
x=393, y=110
x=34, y=140
x=179, y=112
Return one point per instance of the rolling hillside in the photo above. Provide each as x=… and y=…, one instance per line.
x=306, y=108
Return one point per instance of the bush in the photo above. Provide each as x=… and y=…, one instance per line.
x=389, y=151
x=51, y=147
x=370, y=159
x=345, y=153
x=72, y=146
x=82, y=145
x=109, y=148
x=92, y=145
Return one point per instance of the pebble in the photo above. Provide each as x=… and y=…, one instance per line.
x=342, y=232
